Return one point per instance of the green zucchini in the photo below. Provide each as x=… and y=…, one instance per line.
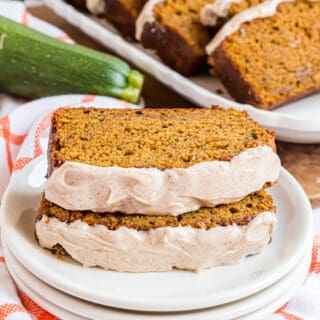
x=34, y=65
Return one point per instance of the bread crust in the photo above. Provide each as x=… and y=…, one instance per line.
x=232, y=79
x=52, y=162
x=117, y=14
x=173, y=49
x=121, y=17
x=80, y=4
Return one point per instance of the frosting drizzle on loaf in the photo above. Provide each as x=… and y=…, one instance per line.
x=150, y=191
x=146, y=16
x=96, y=6
x=263, y=10
x=212, y=12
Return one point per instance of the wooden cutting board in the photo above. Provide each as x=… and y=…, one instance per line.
x=303, y=161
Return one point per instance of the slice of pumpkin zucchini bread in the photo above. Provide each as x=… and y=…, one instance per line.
x=197, y=240
x=268, y=55
x=173, y=29
x=156, y=161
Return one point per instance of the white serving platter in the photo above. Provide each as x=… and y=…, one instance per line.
x=298, y=121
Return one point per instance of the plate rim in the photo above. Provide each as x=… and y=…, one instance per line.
x=40, y=300
x=276, y=304
x=292, y=276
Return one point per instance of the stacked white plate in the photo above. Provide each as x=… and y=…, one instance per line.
x=251, y=290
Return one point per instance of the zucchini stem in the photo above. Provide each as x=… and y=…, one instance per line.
x=132, y=92
x=3, y=36
x=34, y=65
x=135, y=79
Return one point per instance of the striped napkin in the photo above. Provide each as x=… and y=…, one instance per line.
x=24, y=136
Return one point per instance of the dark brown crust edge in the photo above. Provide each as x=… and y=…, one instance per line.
x=240, y=89
x=121, y=18
x=116, y=13
x=80, y=4
x=51, y=146
x=173, y=49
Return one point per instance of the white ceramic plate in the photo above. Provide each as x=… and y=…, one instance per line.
x=238, y=308
x=42, y=302
x=165, y=291
x=295, y=122
x=265, y=312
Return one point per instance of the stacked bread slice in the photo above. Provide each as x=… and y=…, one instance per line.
x=156, y=189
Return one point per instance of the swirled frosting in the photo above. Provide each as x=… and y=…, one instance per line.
x=150, y=191
x=161, y=249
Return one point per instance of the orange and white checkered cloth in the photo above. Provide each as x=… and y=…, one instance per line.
x=24, y=132
x=24, y=136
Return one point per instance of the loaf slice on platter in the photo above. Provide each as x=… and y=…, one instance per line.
x=170, y=160
x=146, y=177
x=268, y=55
x=122, y=14
x=173, y=29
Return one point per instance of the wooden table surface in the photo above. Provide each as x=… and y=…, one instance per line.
x=303, y=161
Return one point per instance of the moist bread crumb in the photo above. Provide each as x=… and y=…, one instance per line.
x=237, y=7
x=159, y=138
x=238, y=213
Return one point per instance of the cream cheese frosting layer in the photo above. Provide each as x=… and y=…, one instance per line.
x=218, y=9
x=150, y=191
x=161, y=249
x=145, y=16
x=96, y=6
x=263, y=10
